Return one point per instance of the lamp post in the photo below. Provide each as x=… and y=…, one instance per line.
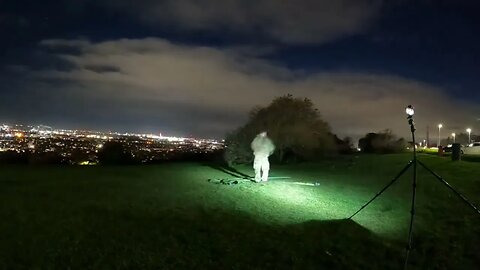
x=453, y=135
x=469, y=130
x=439, y=127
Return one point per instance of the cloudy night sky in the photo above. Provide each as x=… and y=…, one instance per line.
x=186, y=67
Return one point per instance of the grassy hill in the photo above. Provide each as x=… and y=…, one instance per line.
x=170, y=216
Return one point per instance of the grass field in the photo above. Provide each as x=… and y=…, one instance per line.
x=169, y=217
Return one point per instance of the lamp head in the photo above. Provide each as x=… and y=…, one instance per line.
x=469, y=130
x=440, y=126
x=409, y=110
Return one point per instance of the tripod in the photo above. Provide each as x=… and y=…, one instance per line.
x=414, y=162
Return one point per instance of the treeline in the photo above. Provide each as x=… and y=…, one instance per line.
x=382, y=143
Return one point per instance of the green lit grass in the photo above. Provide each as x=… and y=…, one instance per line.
x=170, y=217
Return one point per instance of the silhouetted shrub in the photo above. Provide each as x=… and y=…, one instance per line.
x=381, y=143
x=115, y=153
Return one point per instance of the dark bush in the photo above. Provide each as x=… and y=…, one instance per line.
x=115, y=153
x=50, y=158
x=381, y=143
x=13, y=157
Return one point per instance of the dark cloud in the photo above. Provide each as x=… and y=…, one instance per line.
x=102, y=68
x=300, y=21
x=208, y=91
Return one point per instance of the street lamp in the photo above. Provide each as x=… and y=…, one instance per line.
x=439, y=127
x=453, y=135
x=469, y=130
x=409, y=110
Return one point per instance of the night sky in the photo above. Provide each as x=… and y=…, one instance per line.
x=186, y=67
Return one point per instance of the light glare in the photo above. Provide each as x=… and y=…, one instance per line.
x=409, y=110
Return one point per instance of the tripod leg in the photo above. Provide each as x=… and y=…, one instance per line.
x=385, y=188
x=461, y=196
x=412, y=213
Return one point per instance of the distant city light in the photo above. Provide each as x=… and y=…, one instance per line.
x=72, y=144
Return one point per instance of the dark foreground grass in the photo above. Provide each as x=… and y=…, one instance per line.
x=170, y=217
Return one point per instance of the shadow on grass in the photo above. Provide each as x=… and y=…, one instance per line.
x=196, y=239
x=228, y=170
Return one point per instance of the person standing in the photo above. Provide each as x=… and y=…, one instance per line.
x=262, y=148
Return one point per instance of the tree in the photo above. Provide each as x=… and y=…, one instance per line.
x=77, y=156
x=381, y=143
x=237, y=150
x=344, y=146
x=293, y=124
x=46, y=158
x=114, y=153
x=13, y=157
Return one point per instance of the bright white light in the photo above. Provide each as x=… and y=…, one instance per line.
x=469, y=130
x=453, y=134
x=409, y=110
x=440, y=126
